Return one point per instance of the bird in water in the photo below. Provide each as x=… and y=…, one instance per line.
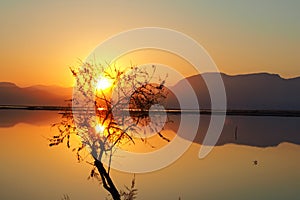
x=255, y=162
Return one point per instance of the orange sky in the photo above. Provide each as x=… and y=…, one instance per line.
x=41, y=39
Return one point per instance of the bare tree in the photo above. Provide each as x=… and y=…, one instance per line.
x=96, y=132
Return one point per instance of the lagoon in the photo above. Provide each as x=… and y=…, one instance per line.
x=30, y=169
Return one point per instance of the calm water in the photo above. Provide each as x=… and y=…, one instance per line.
x=31, y=170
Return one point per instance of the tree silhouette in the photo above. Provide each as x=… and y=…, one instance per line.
x=119, y=112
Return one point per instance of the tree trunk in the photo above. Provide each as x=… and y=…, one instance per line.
x=107, y=181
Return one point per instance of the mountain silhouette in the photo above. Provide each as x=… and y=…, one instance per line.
x=261, y=91
x=11, y=94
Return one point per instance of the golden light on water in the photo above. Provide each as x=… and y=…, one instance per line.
x=103, y=83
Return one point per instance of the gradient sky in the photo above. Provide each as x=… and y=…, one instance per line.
x=41, y=39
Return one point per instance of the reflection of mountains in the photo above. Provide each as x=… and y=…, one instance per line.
x=10, y=118
x=251, y=130
x=244, y=92
x=246, y=130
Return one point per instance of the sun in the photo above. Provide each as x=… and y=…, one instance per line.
x=103, y=83
x=99, y=129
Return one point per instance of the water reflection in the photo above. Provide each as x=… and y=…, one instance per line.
x=256, y=131
x=36, y=171
x=10, y=118
x=249, y=130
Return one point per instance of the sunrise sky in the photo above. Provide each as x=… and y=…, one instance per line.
x=41, y=39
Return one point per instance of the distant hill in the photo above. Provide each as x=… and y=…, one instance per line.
x=261, y=91
x=11, y=94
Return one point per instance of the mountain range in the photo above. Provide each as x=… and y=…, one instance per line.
x=260, y=91
x=11, y=94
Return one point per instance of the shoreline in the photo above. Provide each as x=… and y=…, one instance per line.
x=230, y=112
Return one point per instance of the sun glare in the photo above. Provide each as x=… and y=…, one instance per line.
x=103, y=83
x=99, y=128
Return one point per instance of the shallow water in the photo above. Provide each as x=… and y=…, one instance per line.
x=30, y=169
